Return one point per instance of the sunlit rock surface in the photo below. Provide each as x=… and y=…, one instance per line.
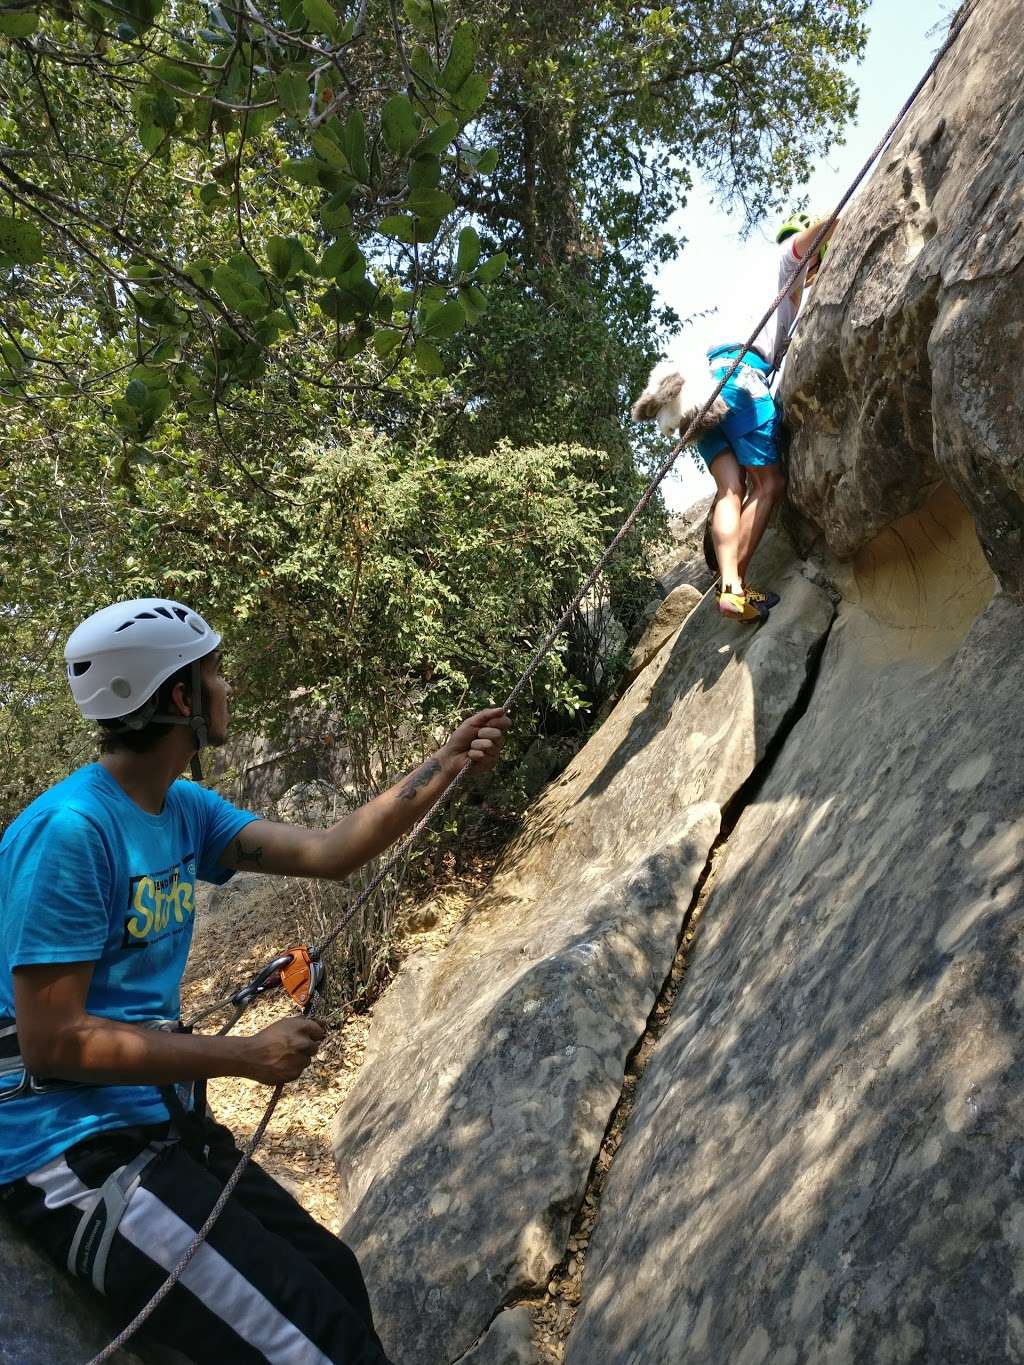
x=906, y=367
x=466, y=1142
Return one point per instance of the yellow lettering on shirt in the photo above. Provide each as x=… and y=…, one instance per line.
x=140, y=927
x=155, y=899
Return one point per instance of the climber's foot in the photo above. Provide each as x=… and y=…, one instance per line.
x=762, y=599
x=740, y=607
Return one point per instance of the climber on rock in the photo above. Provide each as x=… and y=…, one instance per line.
x=742, y=452
x=110, y=1163
x=738, y=435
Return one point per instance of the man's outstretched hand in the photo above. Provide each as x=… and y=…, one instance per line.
x=479, y=738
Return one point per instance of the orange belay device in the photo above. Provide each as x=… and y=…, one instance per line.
x=302, y=976
x=300, y=971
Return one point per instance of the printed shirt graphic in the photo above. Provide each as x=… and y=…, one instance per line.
x=86, y=875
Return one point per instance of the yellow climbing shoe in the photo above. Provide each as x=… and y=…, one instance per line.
x=762, y=599
x=740, y=607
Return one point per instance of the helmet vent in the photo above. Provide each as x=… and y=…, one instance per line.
x=180, y=613
x=164, y=612
x=81, y=667
x=196, y=625
x=144, y=616
x=124, y=626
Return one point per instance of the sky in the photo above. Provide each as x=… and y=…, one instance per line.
x=901, y=43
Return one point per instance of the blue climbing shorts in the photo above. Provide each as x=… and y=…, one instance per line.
x=751, y=428
x=755, y=448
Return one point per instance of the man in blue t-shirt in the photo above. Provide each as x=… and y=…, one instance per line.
x=101, y=1161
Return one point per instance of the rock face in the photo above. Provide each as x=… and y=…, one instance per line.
x=509, y=1341
x=466, y=1142
x=905, y=368
x=665, y=622
x=825, y=1163
x=45, y=1317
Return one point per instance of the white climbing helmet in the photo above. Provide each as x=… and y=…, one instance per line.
x=119, y=656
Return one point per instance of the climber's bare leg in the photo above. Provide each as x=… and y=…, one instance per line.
x=726, y=517
x=765, y=485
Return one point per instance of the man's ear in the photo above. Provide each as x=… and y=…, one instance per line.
x=180, y=699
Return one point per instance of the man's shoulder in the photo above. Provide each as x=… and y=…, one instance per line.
x=196, y=800
x=67, y=808
x=789, y=261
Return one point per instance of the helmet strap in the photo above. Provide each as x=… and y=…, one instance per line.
x=196, y=721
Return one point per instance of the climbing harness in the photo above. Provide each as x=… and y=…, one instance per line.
x=316, y=951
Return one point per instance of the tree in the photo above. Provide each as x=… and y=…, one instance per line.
x=602, y=113
x=246, y=244
x=200, y=192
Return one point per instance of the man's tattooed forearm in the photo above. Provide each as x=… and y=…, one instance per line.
x=419, y=779
x=250, y=856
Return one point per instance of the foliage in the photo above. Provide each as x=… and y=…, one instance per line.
x=257, y=348
x=208, y=190
x=603, y=112
x=396, y=590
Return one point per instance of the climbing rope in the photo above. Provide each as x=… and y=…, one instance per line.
x=316, y=951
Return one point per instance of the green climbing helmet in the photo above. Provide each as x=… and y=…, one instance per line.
x=796, y=222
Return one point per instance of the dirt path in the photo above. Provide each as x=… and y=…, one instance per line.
x=232, y=942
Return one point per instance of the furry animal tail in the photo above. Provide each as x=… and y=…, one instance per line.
x=675, y=394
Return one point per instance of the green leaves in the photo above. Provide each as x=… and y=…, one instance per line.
x=461, y=56
x=469, y=250
x=473, y=300
x=293, y=92
x=386, y=341
x=242, y=287
x=336, y=213
x=205, y=218
x=420, y=14
x=471, y=94
x=353, y=144
x=399, y=124
x=400, y=226
x=21, y=242
x=344, y=260
x=146, y=397
x=431, y=204
x=156, y=112
x=286, y=256
x=439, y=138
x=442, y=322
x=428, y=358
x=322, y=18
x=492, y=267
x=19, y=23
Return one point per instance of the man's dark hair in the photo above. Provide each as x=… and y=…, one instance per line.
x=112, y=737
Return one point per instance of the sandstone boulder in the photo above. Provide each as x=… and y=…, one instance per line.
x=666, y=619
x=825, y=1163
x=465, y=1144
x=46, y=1318
x=509, y=1341
x=905, y=368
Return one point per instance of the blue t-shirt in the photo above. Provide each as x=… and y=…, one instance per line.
x=86, y=875
x=747, y=394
